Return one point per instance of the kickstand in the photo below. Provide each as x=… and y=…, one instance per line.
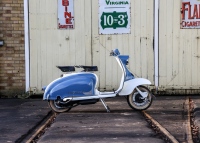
x=105, y=105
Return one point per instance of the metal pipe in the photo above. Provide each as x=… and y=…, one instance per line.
x=156, y=43
x=26, y=44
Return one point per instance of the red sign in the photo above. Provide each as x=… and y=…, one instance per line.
x=65, y=14
x=190, y=14
x=65, y=2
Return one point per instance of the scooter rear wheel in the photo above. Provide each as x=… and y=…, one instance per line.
x=56, y=106
x=136, y=101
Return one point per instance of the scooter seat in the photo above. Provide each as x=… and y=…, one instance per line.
x=90, y=68
x=66, y=68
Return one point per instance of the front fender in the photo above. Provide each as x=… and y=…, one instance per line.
x=130, y=85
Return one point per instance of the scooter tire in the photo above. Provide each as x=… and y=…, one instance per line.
x=56, y=108
x=139, y=105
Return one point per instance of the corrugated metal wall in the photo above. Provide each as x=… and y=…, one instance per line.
x=83, y=45
x=138, y=44
x=179, y=53
x=50, y=47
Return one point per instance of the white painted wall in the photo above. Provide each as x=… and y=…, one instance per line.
x=83, y=45
x=179, y=53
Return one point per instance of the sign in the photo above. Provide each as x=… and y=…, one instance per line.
x=114, y=16
x=65, y=14
x=190, y=14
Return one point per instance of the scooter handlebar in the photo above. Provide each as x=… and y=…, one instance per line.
x=112, y=53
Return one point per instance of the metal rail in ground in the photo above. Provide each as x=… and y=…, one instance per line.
x=164, y=131
x=35, y=133
x=161, y=128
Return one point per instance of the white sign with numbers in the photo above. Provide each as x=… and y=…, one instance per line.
x=114, y=16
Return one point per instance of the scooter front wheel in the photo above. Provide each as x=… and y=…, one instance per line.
x=57, y=107
x=137, y=101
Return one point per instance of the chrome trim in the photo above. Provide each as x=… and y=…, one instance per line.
x=67, y=99
x=84, y=98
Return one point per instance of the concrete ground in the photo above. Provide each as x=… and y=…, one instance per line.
x=91, y=123
x=18, y=116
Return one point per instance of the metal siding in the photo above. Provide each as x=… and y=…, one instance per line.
x=179, y=54
x=178, y=51
x=84, y=46
x=50, y=46
x=138, y=44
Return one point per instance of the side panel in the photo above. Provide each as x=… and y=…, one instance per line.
x=179, y=62
x=74, y=85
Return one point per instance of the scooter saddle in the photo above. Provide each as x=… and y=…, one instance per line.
x=66, y=68
x=88, y=68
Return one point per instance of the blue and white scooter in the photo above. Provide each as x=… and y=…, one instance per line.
x=80, y=88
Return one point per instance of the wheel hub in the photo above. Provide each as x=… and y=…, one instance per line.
x=139, y=99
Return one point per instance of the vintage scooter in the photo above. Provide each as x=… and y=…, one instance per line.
x=81, y=88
